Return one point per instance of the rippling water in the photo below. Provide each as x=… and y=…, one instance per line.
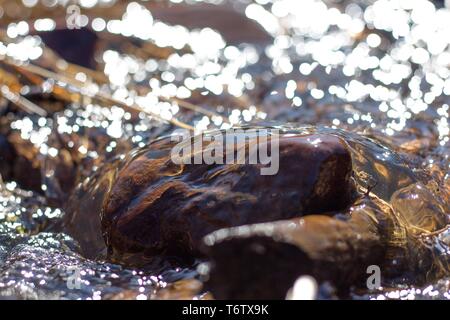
x=378, y=69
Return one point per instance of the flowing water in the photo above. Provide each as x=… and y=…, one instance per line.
x=376, y=74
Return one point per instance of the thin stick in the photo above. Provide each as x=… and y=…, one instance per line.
x=191, y=106
x=103, y=96
x=77, y=83
x=23, y=103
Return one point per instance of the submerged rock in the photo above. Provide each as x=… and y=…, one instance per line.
x=262, y=261
x=330, y=212
x=156, y=207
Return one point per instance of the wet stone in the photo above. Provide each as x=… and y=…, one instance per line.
x=25, y=165
x=156, y=207
x=262, y=261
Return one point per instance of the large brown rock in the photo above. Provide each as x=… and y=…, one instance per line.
x=156, y=207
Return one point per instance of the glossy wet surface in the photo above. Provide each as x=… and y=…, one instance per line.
x=377, y=71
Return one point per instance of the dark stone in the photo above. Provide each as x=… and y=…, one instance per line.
x=263, y=261
x=157, y=207
x=25, y=166
x=76, y=45
x=6, y=157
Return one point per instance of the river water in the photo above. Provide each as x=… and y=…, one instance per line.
x=376, y=73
